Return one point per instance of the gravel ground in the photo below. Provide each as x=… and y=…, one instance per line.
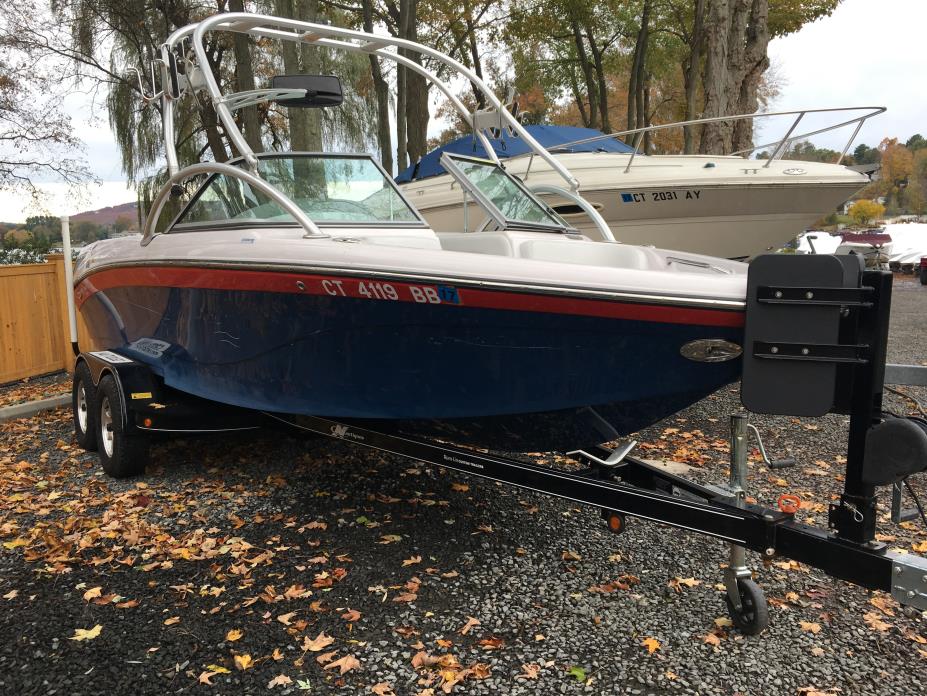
x=351, y=572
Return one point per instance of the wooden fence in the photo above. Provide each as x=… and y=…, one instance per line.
x=34, y=335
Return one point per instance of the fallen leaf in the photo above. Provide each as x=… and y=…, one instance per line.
x=382, y=689
x=286, y=619
x=86, y=633
x=471, y=622
x=171, y=621
x=345, y=664
x=320, y=642
x=571, y=556
x=218, y=669
x=92, y=593
x=492, y=643
x=279, y=680
x=460, y=487
x=423, y=659
x=810, y=626
x=244, y=661
x=389, y=539
x=351, y=615
x=233, y=635
x=530, y=671
x=205, y=677
x=12, y=594
x=652, y=645
x=723, y=622
x=883, y=602
x=578, y=673
x=875, y=622
x=411, y=561
x=712, y=639
x=326, y=657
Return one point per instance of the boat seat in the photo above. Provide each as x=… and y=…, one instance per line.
x=586, y=254
x=476, y=243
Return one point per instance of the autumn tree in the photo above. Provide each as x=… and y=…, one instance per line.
x=865, y=211
x=37, y=139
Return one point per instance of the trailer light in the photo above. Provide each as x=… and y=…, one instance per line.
x=147, y=422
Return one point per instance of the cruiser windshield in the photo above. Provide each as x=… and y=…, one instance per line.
x=331, y=189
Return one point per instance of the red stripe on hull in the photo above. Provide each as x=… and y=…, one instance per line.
x=389, y=290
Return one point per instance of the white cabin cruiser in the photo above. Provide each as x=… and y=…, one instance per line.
x=725, y=206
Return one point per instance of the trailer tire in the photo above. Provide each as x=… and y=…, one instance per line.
x=122, y=453
x=753, y=617
x=83, y=408
x=923, y=275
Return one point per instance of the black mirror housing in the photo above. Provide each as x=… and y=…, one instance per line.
x=321, y=90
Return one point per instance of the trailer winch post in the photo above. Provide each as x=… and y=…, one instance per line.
x=737, y=483
x=854, y=518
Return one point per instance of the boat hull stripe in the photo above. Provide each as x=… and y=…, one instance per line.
x=389, y=291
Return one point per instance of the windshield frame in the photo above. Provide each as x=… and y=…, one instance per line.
x=177, y=226
x=449, y=162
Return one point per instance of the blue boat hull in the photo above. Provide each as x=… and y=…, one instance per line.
x=500, y=376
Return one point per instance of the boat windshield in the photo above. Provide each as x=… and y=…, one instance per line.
x=331, y=189
x=507, y=200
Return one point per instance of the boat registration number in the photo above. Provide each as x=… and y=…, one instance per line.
x=641, y=197
x=377, y=290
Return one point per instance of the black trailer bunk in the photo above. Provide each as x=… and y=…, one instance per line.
x=815, y=343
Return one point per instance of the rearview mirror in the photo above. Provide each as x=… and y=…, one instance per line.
x=321, y=90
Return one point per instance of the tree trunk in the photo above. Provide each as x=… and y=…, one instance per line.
x=691, y=72
x=586, y=67
x=402, y=90
x=601, y=80
x=305, y=124
x=475, y=60
x=755, y=63
x=244, y=77
x=644, y=111
x=381, y=90
x=578, y=99
x=715, y=79
x=635, y=83
x=416, y=88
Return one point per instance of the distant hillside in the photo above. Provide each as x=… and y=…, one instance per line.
x=107, y=216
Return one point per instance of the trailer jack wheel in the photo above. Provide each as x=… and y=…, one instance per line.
x=616, y=521
x=752, y=617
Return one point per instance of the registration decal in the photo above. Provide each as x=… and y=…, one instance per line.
x=660, y=196
x=394, y=292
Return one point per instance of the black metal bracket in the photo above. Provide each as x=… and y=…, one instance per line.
x=816, y=352
x=814, y=296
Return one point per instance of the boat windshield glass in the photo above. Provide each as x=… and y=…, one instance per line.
x=504, y=197
x=331, y=189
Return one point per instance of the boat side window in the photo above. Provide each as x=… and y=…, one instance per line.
x=503, y=196
x=332, y=190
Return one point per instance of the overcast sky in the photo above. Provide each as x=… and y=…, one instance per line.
x=868, y=53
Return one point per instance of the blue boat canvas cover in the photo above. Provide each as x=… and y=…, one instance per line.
x=507, y=145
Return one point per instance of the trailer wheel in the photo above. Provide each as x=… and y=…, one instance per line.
x=123, y=454
x=83, y=407
x=923, y=275
x=753, y=617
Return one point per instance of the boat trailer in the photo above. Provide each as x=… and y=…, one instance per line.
x=817, y=324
